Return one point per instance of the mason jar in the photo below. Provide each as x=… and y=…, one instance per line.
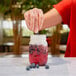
x=38, y=49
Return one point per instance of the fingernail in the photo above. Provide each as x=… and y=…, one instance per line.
x=36, y=31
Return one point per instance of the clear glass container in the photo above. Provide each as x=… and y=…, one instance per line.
x=38, y=49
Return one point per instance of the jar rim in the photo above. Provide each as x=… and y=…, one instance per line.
x=39, y=35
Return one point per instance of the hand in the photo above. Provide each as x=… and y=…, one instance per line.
x=34, y=19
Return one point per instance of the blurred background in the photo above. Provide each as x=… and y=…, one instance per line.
x=14, y=34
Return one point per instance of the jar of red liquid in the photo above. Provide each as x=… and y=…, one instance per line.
x=38, y=49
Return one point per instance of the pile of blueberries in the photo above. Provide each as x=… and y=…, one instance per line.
x=35, y=66
x=33, y=48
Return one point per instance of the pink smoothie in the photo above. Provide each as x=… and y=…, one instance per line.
x=38, y=54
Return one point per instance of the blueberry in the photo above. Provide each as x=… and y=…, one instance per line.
x=47, y=67
x=38, y=50
x=30, y=66
x=33, y=65
x=31, y=46
x=27, y=68
x=31, y=52
x=37, y=65
x=35, y=46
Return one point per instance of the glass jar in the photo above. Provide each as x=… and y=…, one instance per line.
x=38, y=49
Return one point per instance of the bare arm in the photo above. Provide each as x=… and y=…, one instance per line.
x=36, y=20
x=51, y=18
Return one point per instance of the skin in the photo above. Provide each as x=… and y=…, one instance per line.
x=51, y=18
x=36, y=20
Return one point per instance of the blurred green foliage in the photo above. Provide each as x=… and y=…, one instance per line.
x=42, y=4
x=45, y=5
x=6, y=7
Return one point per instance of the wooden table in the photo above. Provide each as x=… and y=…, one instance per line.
x=17, y=67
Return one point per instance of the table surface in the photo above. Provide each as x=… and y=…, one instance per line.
x=58, y=67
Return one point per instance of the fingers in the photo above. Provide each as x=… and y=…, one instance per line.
x=31, y=20
x=40, y=18
x=34, y=19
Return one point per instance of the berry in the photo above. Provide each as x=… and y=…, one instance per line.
x=31, y=52
x=37, y=65
x=30, y=66
x=33, y=65
x=35, y=46
x=27, y=68
x=38, y=50
x=47, y=67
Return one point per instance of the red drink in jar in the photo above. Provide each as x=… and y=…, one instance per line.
x=38, y=49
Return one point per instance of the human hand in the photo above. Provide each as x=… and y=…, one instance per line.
x=34, y=19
